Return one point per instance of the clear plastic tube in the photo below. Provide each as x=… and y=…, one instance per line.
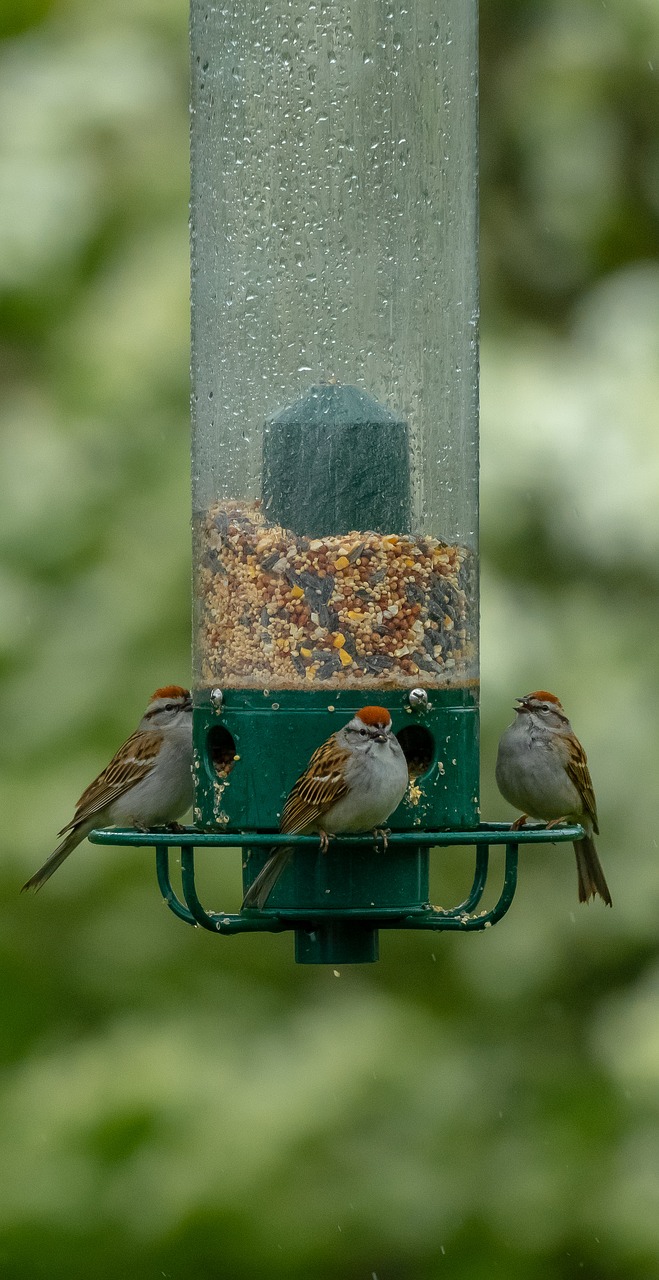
x=334, y=343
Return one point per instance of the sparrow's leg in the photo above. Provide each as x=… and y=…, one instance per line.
x=324, y=841
x=384, y=833
x=520, y=822
x=555, y=822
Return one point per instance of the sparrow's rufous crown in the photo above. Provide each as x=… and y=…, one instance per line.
x=170, y=691
x=374, y=715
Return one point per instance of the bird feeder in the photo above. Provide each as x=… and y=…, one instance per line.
x=335, y=450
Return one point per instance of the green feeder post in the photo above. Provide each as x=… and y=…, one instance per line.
x=337, y=460
x=335, y=452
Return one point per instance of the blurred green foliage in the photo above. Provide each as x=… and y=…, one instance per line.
x=175, y=1105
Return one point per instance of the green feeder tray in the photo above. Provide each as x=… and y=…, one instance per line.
x=337, y=903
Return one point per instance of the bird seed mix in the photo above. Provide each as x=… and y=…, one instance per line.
x=281, y=611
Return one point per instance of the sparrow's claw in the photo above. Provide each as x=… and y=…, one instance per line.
x=173, y=828
x=324, y=838
x=384, y=833
x=520, y=822
x=555, y=822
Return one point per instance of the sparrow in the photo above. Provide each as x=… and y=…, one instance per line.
x=542, y=770
x=354, y=780
x=147, y=783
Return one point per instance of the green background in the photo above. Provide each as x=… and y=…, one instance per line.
x=177, y=1105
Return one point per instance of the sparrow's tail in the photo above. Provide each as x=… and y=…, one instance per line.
x=589, y=870
x=69, y=843
x=259, y=891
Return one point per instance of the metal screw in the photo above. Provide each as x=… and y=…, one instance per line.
x=418, y=698
x=217, y=699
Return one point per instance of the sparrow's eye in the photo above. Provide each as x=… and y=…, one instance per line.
x=170, y=706
x=363, y=733
x=544, y=708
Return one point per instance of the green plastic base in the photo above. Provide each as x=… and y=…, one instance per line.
x=337, y=942
x=397, y=877
x=274, y=735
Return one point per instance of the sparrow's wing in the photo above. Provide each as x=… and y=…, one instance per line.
x=133, y=761
x=579, y=774
x=318, y=789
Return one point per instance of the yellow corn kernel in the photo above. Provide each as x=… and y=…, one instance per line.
x=341, y=563
x=297, y=593
x=354, y=613
x=345, y=658
x=339, y=640
x=306, y=653
x=310, y=671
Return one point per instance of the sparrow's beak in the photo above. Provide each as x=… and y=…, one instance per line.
x=379, y=737
x=522, y=705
